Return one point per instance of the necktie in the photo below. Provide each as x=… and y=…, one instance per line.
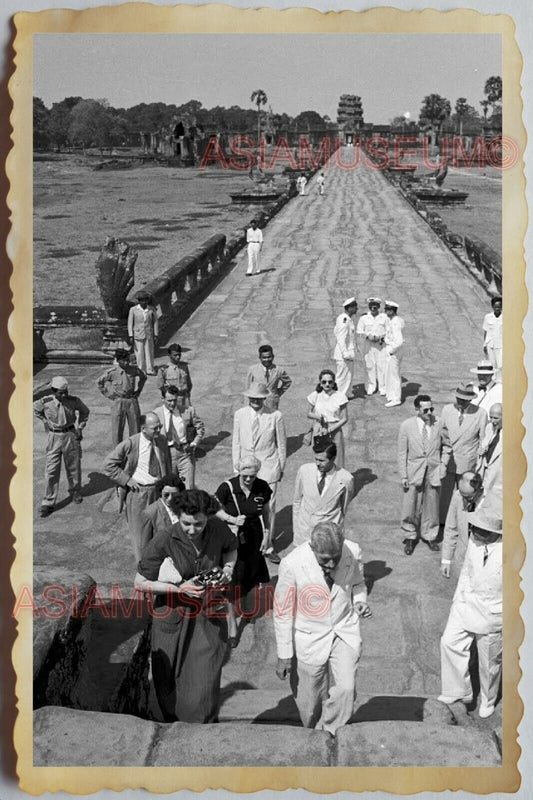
x=171, y=431
x=267, y=374
x=425, y=437
x=154, y=467
x=461, y=417
x=255, y=426
x=328, y=579
x=321, y=484
x=485, y=554
x=61, y=415
x=492, y=446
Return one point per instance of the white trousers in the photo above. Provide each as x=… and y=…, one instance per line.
x=344, y=376
x=393, y=376
x=327, y=692
x=375, y=370
x=495, y=357
x=455, y=647
x=144, y=353
x=254, y=248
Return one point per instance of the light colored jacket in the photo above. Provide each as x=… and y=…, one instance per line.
x=345, y=335
x=394, y=336
x=462, y=442
x=487, y=398
x=140, y=328
x=122, y=462
x=308, y=633
x=270, y=445
x=455, y=539
x=310, y=507
x=191, y=421
x=478, y=597
x=412, y=460
x=491, y=471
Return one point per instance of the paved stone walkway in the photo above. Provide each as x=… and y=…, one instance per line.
x=361, y=238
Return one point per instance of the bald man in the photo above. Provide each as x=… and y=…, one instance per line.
x=136, y=465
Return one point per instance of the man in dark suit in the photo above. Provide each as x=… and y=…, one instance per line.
x=136, y=465
x=419, y=454
x=160, y=516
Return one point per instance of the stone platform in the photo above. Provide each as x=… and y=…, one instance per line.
x=360, y=238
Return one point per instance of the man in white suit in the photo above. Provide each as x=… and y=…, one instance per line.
x=490, y=455
x=344, y=353
x=476, y=613
x=392, y=354
x=371, y=332
x=488, y=391
x=419, y=454
x=319, y=598
x=261, y=433
x=322, y=493
x=143, y=331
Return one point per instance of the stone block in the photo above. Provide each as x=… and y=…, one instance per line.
x=233, y=744
x=412, y=744
x=68, y=737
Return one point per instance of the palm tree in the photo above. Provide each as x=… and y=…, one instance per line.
x=493, y=90
x=461, y=107
x=260, y=99
x=435, y=109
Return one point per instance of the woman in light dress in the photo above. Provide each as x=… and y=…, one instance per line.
x=328, y=410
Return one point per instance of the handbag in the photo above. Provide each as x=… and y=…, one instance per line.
x=322, y=440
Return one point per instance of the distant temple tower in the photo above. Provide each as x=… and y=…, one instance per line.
x=350, y=116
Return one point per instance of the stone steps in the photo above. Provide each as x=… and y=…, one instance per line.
x=65, y=737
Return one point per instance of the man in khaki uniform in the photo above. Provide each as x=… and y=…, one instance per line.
x=176, y=373
x=122, y=384
x=64, y=418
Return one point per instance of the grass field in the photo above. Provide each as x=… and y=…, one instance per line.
x=164, y=213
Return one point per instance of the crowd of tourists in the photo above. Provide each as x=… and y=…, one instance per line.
x=200, y=555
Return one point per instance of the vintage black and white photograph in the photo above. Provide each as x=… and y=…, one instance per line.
x=267, y=399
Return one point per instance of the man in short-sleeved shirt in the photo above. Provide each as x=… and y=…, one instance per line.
x=492, y=336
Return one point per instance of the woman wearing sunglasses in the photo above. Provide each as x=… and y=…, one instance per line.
x=328, y=410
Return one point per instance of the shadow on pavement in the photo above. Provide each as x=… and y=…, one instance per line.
x=284, y=713
x=374, y=571
x=294, y=443
x=98, y=483
x=383, y=707
x=210, y=442
x=362, y=477
x=411, y=389
x=284, y=527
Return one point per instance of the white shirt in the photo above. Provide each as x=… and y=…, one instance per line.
x=254, y=236
x=172, y=517
x=492, y=326
x=178, y=423
x=394, y=334
x=141, y=474
x=422, y=425
x=370, y=325
x=485, y=398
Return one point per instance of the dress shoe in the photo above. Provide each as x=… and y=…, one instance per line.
x=45, y=511
x=273, y=557
x=409, y=546
x=485, y=710
x=393, y=403
x=435, y=546
x=233, y=642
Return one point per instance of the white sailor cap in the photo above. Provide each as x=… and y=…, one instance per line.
x=373, y=300
x=391, y=304
x=350, y=301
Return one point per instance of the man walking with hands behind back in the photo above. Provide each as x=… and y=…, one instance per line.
x=326, y=639
x=419, y=449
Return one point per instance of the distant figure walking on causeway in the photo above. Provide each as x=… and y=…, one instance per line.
x=254, y=237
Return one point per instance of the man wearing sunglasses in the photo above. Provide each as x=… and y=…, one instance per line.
x=419, y=456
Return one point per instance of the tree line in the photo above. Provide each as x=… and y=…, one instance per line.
x=436, y=112
x=80, y=122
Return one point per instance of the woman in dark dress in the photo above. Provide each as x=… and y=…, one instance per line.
x=188, y=634
x=245, y=508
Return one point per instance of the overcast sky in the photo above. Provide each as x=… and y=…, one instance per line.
x=392, y=73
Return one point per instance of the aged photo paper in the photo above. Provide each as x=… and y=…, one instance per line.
x=111, y=196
